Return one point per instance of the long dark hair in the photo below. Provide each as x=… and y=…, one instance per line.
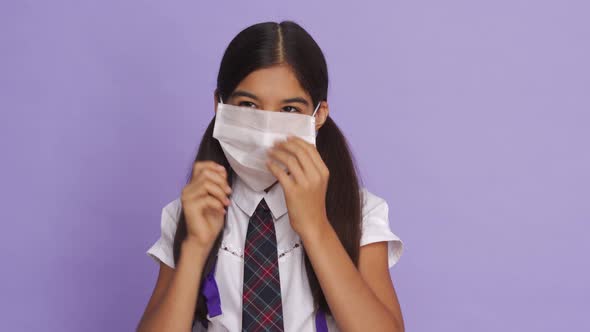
x=263, y=45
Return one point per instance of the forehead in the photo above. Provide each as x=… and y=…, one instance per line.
x=276, y=82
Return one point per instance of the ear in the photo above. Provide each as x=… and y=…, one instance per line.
x=321, y=115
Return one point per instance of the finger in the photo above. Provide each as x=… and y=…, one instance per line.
x=280, y=174
x=215, y=177
x=290, y=161
x=209, y=202
x=301, y=153
x=313, y=153
x=204, y=186
x=199, y=166
x=213, y=189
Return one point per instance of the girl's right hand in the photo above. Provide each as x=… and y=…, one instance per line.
x=204, y=200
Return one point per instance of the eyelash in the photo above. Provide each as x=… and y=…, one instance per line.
x=295, y=109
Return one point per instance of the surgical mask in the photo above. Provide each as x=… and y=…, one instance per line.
x=245, y=134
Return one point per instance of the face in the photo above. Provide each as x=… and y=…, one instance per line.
x=276, y=89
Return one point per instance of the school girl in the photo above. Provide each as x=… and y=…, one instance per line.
x=273, y=230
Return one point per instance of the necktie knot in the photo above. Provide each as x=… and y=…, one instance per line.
x=263, y=206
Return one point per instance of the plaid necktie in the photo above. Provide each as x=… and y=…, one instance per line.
x=262, y=309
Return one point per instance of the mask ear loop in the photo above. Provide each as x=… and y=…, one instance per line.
x=316, y=108
x=220, y=100
x=313, y=114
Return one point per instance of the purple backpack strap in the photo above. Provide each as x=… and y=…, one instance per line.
x=320, y=321
x=211, y=293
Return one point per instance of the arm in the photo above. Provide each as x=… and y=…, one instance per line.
x=358, y=308
x=173, y=302
x=172, y=305
x=359, y=300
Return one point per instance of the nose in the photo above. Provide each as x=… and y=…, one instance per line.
x=270, y=108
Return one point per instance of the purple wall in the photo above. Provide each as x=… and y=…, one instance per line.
x=471, y=119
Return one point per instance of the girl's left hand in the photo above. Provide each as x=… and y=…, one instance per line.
x=305, y=187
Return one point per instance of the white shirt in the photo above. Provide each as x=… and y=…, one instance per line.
x=297, y=301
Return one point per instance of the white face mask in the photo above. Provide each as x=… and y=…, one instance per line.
x=245, y=134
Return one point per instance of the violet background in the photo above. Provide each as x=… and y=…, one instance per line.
x=471, y=118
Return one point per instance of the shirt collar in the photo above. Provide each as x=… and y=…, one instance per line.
x=248, y=199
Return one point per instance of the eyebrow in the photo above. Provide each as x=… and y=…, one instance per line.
x=243, y=93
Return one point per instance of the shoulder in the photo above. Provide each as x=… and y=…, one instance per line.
x=372, y=203
x=162, y=249
x=376, y=226
x=375, y=209
x=172, y=210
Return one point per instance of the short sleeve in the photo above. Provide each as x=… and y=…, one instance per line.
x=161, y=250
x=376, y=228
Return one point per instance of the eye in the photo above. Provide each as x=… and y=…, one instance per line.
x=247, y=104
x=291, y=109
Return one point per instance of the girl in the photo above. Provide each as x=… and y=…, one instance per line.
x=274, y=237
